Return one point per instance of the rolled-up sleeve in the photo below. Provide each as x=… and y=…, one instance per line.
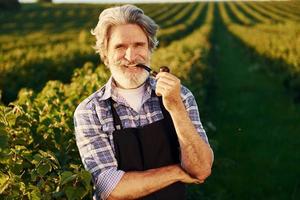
x=95, y=150
x=193, y=112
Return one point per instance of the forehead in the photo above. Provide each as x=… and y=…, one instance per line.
x=126, y=33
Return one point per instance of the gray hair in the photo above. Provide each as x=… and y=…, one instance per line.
x=126, y=14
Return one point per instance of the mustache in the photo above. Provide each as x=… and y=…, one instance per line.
x=128, y=64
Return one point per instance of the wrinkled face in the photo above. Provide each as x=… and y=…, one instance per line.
x=127, y=46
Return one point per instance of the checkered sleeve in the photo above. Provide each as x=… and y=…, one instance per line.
x=95, y=150
x=192, y=109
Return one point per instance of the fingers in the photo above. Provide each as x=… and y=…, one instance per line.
x=190, y=179
x=166, y=82
x=167, y=76
x=159, y=90
x=163, y=88
x=194, y=181
x=168, y=86
x=187, y=178
x=199, y=181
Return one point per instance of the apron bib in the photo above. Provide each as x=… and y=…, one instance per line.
x=151, y=146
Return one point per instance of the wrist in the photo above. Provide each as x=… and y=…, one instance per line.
x=178, y=173
x=177, y=108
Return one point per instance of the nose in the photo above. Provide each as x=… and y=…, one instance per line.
x=130, y=54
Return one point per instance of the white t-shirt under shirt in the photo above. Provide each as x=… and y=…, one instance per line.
x=133, y=97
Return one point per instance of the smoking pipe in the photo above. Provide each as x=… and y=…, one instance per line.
x=152, y=72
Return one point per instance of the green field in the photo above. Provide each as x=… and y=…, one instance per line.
x=240, y=59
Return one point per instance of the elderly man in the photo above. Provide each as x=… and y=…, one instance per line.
x=140, y=137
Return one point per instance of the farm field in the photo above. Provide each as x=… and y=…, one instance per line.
x=241, y=60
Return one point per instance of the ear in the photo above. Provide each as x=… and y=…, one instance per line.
x=105, y=61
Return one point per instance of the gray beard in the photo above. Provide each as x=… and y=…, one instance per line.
x=128, y=80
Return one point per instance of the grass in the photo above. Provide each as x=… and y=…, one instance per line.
x=257, y=127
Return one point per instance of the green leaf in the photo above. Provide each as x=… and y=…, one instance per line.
x=74, y=166
x=33, y=175
x=17, y=168
x=4, y=182
x=46, y=121
x=23, y=121
x=57, y=135
x=3, y=138
x=74, y=193
x=37, y=159
x=2, y=123
x=5, y=156
x=51, y=156
x=35, y=194
x=10, y=118
x=44, y=168
x=20, y=148
x=58, y=195
x=86, y=178
x=22, y=187
x=67, y=177
x=27, y=154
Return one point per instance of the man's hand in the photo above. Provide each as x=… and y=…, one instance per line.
x=137, y=184
x=186, y=178
x=168, y=86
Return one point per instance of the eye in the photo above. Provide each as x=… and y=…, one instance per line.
x=140, y=44
x=119, y=46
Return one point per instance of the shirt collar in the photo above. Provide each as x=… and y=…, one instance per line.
x=109, y=89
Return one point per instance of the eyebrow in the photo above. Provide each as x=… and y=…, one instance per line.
x=140, y=43
x=135, y=43
x=118, y=45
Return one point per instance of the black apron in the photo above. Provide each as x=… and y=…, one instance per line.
x=148, y=147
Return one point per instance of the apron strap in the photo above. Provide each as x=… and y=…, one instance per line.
x=116, y=119
x=165, y=113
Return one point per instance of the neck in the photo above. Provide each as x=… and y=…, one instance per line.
x=126, y=88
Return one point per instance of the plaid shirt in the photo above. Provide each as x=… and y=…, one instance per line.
x=94, y=127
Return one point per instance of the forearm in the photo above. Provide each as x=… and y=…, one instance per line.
x=134, y=185
x=196, y=155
